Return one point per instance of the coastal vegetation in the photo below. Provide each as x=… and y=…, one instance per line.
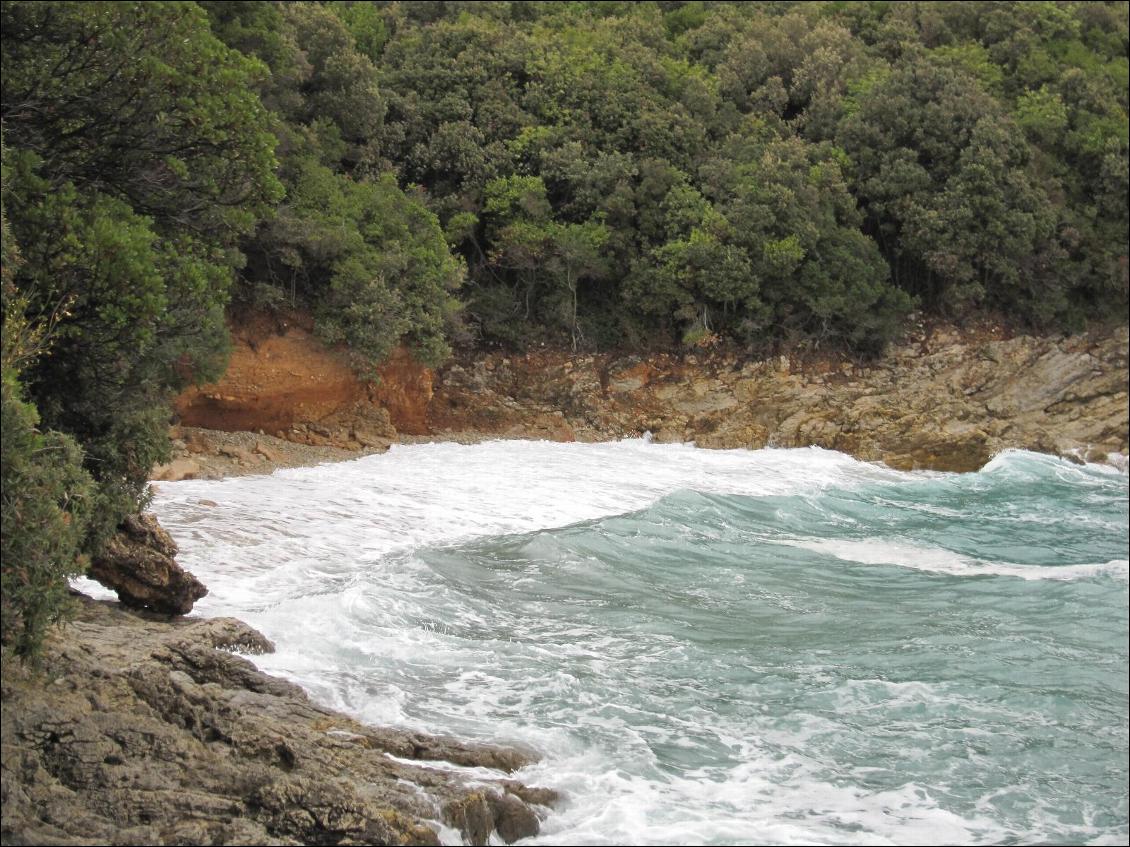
x=506, y=174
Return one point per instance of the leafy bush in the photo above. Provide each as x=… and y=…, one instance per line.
x=135, y=155
x=46, y=503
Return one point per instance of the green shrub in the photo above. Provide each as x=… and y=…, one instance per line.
x=47, y=499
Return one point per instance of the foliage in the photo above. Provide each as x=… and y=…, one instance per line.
x=46, y=501
x=390, y=275
x=762, y=172
x=135, y=154
x=139, y=102
x=602, y=110
x=370, y=260
x=45, y=495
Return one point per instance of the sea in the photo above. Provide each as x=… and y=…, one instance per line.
x=709, y=646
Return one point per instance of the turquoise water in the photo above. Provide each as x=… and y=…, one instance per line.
x=711, y=647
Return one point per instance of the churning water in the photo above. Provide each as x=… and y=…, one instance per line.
x=709, y=646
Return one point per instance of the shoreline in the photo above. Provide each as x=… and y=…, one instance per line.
x=77, y=768
x=139, y=728
x=159, y=731
x=219, y=454
x=948, y=400
x=409, y=463
x=222, y=455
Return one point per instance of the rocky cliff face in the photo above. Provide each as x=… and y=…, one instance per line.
x=947, y=402
x=943, y=399
x=146, y=731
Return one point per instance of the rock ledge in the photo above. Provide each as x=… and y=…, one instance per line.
x=139, y=730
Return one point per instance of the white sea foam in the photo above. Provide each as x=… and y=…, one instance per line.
x=1022, y=461
x=274, y=534
x=764, y=800
x=902, y=554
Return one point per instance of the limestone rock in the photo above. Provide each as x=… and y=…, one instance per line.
x=513, y=818
x=266, y=452
x=471, y=815
x=371, y=440
x=142, y=731
x=240, y=454
x=946, y=401
x=177, y=470
x=138, y=564
x=479, y=813
x=1061, y=395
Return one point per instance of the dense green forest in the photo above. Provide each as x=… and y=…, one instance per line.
x=594, y=174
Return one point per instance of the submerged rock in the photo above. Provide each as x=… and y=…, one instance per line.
x=138, y=731
x=139, y=565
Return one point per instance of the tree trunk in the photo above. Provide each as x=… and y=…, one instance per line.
x=573, y=291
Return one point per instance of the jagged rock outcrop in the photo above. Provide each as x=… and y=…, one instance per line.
x=139, y=564
x=943, y=400
x=143, y=731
